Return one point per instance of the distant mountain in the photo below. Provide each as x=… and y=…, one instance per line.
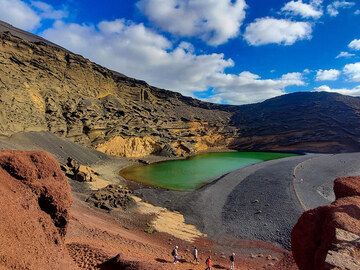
x=45, y=87
x=308, y=121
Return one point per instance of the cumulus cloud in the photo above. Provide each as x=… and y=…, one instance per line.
x=249, y=88
x=345, y=55
x=311, y=10
x=19, y=14
x=355, y=44
x=327, y=75
x=28, y=16
x=334, y=7
x=352, y=71
x=344, y=91
x=279, y=31
x=141, y=53
x=47, y=11
x=214, y=21
x=357, y=12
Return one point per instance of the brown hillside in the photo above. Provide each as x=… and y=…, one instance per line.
x=44, y=87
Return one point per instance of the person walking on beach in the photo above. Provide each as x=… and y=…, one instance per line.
x=195, y=254
x=232, y=261
x=175, y=254
x=208, y=263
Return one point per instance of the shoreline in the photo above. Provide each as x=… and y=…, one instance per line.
x=140, y=162
x=259, y=202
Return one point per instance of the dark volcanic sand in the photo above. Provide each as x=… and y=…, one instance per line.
x=263, y=201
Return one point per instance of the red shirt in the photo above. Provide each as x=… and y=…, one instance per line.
x=208, y=262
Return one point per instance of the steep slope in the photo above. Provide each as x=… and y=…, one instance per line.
x=44, y=87
x=320, y=122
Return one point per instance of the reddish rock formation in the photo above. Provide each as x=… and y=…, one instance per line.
x=347, y=187
x=318, y=237
x=35, y=198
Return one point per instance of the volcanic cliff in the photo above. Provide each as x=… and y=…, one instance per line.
x=328, y=237
x=44, y=87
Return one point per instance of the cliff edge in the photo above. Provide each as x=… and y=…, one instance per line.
x=328, y=237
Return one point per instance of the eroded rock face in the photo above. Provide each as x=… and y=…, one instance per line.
x=43, y=87
x=36, y=199
x=325, y=236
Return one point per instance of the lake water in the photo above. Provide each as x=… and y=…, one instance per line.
x=196, y=171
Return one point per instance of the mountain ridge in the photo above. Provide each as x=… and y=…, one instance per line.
x=45, y=87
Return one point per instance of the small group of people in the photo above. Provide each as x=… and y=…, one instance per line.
x=195, y=254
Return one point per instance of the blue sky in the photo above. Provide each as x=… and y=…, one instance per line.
x=225, y=51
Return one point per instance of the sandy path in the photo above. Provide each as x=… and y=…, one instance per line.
x=314, y=177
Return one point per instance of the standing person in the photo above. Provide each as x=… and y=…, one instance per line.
x=195, y=254
x=208, y=263
x=175, y=254
x=232, y=261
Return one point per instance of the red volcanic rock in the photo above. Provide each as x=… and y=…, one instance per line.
x=314, y=236
x=347, y=187
x=34, y=202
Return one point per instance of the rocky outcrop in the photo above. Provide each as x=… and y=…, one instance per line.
x=328, y=237
x=110, y=197
x=347, y=187
x=78, y=172
x=36, y=200
x=129, y=147
x=44, y=87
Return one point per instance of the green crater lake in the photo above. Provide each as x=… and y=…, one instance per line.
x=194, y=172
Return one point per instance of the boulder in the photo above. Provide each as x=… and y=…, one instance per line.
x=110, y=197
x=346, y=251
x=84, y=174
x=347, y=187
x=33, y=224
x=315, y=237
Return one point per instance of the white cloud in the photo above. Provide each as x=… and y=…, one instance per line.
x=214, y=21
x=311, y=10
x=345, y=55
x=334, y=7
x=355, y=44
x=352, y=71
x=19, y=14
x=344, y=91
x=249, y=88
x=28, y=16
x=47, y=11
x=279, y=31
x=141, y=53
x=327, y=75
x=357, y=12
